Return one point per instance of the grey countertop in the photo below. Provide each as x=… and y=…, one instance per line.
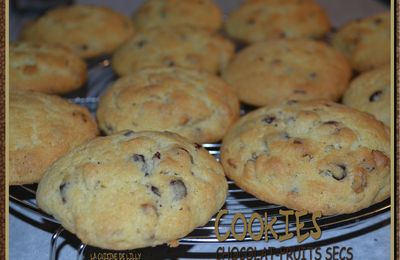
x=29, y=235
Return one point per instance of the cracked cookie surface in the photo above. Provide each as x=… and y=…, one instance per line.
x=196, y=105
x=43, y=128
x=312, y=155
x=131, y=190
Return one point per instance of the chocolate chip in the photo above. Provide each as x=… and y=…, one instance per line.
x=157, y=155
x=141, y=43
x=299, y=91
x=139, y=158
x=312, y=75
x=170, y=63
x=191, y=157
x=268, y=119
x=251, y=21
x=337, y=171
x=129, y=133
x=331, y=123
x=276, y=62
x=156, y=191
x=375, y=96
x=285, y=136
x=63, y=191
x=82, y=116
x=297, y=142
x=197, y=146
x=341, y=174
x=84, y=47
x=178, y=189
x=308, y=156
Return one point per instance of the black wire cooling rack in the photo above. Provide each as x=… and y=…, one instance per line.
x=238, y=201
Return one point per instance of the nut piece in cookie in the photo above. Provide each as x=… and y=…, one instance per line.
x=310, y=155
x=133, y=189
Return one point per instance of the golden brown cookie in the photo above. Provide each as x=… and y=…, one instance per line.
x=88, y=30
x=271, y=72
x=203, y=14
x=42, y=128
x=310, y=155
x=132, y=190
x=169, y=47
x=196, y=105
x=45, y=68
x=370, y=92
x=366, y=42
x=259, y=20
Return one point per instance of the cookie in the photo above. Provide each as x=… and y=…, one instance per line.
x=170, y=13
x=169, y=47
x=196, y=105
x=260, y=20
x=366, y=42
x=370, y=92
x=45, y=68
x=87, y=30
x=310, y=155
x=131, y=190
x=271, y=72
x=42, y=128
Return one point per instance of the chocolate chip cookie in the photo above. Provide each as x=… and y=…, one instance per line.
x=366, y=42
x=132, y=190
x=370, y=92
x=275, y=71
x=312, y=155
x=45, y=68
x=260, y=20
x=173, y=47
x=87, y=30
x=196, y=105
x=170, y=13
x=42, y=128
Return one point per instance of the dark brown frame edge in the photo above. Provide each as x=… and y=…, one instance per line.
x=2, y=131
x=396, y=236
